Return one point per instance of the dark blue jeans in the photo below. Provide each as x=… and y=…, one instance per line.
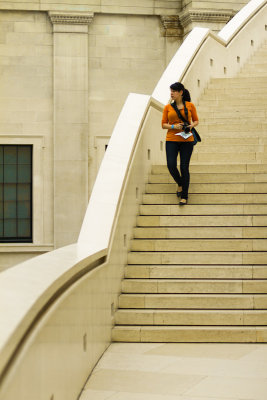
x=185, y=149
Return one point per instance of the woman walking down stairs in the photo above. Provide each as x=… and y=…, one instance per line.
x=199, y=273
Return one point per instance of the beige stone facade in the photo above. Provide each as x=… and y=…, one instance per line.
x=66, y=70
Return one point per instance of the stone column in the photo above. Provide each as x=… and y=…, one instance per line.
x=70, y=31
x=173, y=32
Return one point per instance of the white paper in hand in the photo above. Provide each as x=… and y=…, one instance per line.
x=184, y=135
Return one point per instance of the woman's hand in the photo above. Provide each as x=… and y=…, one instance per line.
x=178, y=126
x=195, y=123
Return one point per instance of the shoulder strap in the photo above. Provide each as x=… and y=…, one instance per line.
x=186, y=111
x=174, y=106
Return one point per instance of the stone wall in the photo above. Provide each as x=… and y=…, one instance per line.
x=126, y=54
x=26, y=115
x=145, y=7
x=215, y=5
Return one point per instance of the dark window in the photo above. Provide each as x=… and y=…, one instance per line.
x=15, y=193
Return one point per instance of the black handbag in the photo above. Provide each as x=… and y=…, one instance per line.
x=195, y=133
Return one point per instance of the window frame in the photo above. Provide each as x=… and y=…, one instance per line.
x=38, y=201
x=17, y=238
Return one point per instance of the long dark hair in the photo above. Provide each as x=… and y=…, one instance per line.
x=178, y=86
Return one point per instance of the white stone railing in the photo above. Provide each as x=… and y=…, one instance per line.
x=56, y=309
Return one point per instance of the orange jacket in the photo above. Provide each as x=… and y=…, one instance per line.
x=170, y=116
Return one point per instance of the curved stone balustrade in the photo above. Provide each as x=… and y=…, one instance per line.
x=57, y=309
x=230, y=30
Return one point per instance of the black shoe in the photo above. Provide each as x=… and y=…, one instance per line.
x=183, y=202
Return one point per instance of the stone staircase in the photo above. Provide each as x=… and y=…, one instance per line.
x=198, y=273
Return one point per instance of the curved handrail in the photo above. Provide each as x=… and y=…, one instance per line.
x=229, y=31
x=33, y=284
x=96, y=231
x=104, y=199
x=176, y=70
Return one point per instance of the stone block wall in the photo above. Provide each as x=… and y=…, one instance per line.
x=26, y=116
x=126, y=54
x=26, y=49
x=214, y=5
x=142, y=7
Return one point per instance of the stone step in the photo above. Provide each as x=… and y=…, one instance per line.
x=255, y=65
x=217, y=100
x=230, y=102
x=259, y=56
x=196, y=272
x=213, y=158
x=201, y=244
x=201, y=220
x=211, y=198
x=230, y=82
x=200, y=233
x=198, y=257
x=221, y=96
x=200, y=209
x=218, y=115
x=257, y=60
x=261, y=52
x=258, y=63
x=236, y=126
x=238, y=86
x=233, y=129
x=213, y=119
x=216, y=169
x=237, y=89
x=231, y=157
x=189, y=334
x=218, y=138
x=207, y=138
x=215, y=108
x=194, y=301
x=191, y=317
x=211, y=178
x=246, y=73
x=183, y=286
x=253, y=187
x=209, y=145
x=234, y=104
x=224, y=131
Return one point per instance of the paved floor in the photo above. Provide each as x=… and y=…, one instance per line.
x=140, y=371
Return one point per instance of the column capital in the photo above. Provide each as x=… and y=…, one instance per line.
x=190, y=16
x=70, y=17
x=70, y=21
x=172, y=26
